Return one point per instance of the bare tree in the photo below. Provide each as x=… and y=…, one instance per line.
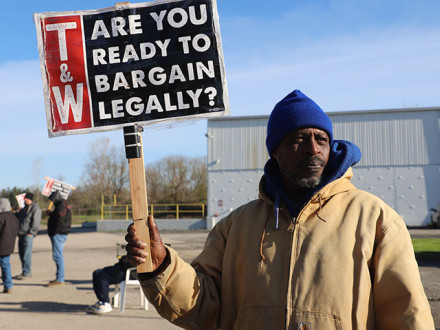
x=177, y=179
x=199, y=179
x=105, y=173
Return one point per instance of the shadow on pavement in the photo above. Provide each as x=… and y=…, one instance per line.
x=73, y=230
x=79, y=282
x=44, y=306
x=428, y=259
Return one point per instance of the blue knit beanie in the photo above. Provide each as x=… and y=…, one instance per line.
x=294, y=112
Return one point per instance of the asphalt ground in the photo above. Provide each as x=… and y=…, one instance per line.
x=32, y=305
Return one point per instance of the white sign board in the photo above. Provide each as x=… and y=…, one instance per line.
x=139, y=63
x=56, y=185
x=20, y=200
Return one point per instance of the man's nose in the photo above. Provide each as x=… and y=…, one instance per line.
x=312, y=147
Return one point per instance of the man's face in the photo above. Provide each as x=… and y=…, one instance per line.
x=27, y=201
x=302, y=156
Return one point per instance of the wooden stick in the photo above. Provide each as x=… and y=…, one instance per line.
x=138, y=187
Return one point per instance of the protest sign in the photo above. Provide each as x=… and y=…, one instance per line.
x=20, y=200
x=133, y=63
x=56, y=185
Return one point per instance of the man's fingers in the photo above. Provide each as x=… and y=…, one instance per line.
x=131, y=230
x=136, y=261
x=134, y=241
x=135, y=248
x=135, y=256
x=135, y=253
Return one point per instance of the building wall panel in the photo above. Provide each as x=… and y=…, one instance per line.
x=392, y=138
x=400, y=159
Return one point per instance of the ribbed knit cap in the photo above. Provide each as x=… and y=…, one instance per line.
x=294, y=112
x=29, y=195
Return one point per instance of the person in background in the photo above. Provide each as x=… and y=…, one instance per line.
x=29, y=218
x=312, y=252
x=58, y=227
x=8, y=234
x=102, y=279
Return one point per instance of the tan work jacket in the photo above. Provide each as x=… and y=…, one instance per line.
x=346, y=262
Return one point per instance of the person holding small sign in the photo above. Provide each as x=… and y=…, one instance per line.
x=312, y=252
x=58, y=227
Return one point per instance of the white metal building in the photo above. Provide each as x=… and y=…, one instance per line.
x=400, y=159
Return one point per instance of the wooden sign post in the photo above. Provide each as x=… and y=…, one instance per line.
x=139, y=202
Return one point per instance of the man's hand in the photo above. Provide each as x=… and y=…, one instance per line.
x=135, y=253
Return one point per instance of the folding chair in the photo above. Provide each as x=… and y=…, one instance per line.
x=121, y=292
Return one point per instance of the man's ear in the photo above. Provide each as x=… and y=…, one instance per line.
x=275, y=154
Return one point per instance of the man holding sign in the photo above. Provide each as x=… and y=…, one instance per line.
x=128, y=66
x=58, y=227
x=313, y=252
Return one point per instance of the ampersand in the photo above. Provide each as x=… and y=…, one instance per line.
x=65, y=76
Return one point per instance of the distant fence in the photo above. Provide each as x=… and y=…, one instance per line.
x=159, y=211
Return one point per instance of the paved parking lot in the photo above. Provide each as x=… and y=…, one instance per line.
x=34, y=306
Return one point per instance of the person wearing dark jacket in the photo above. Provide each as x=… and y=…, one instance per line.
x=29, y=219
x=8, y=233
x=58, y=227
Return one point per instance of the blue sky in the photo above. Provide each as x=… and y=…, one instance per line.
x=344, y=54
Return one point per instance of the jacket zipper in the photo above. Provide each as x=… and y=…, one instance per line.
x=291, y=229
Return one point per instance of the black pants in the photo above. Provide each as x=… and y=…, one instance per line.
x=104, y=277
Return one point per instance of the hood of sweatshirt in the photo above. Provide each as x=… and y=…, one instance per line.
x=5, y=205
x=343, y=155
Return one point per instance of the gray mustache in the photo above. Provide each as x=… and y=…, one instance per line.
x=312, y=161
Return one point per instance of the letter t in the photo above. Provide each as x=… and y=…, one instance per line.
x=61, y=28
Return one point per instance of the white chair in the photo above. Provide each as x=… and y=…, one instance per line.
x=120, y=295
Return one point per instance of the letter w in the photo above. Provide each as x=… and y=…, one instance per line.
x=69, y=101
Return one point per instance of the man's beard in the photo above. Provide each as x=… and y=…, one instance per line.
x=304, y=182
x=301, y=181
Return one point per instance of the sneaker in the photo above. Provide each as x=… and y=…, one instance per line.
x=54, y=283
x=22, y=277
x=91, y=308
x=102, y=308
x=7, y=290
